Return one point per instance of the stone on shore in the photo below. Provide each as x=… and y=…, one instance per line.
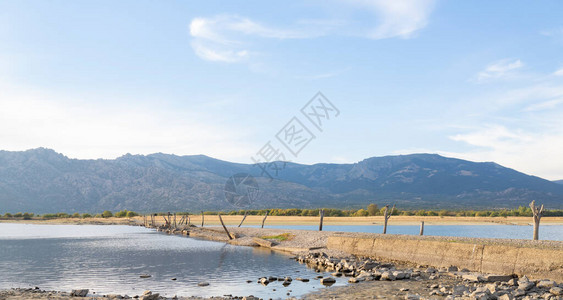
x=328, y=281
x=203, y=283
x=148, y=295
x=79, y=293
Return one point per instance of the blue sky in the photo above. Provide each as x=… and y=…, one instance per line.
x=478, y=80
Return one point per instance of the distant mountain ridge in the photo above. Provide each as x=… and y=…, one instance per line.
x=558, y=181
x=42, y=181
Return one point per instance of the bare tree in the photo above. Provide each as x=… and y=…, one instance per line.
x=387, y=215
x=538, y=213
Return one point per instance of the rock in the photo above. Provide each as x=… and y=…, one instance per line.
x=459, y=290
x=79, y=293
x=272, y=278
x=288, y=279
x=114, y=296
x=286, y=282
x=148, y=295
x=431, y=270
x=473, y=277
x=353, y=280
x=557, y=291
x=328, y=281
x=412, y=297
x=203, y=283
x=250, y=298
x=337, y=274
x=546, y=284
x=302, y=279
x=403, y=289
x=506, y=297
x=145, y=276
x=494, y=278
x=518, y=293
x=369, y=265
x=492, y=288
x=174, y=279
x=513, y=282
x=525, y=285
x=263, y=281
x=452, y=269
x=400, y=275
x=387, y=276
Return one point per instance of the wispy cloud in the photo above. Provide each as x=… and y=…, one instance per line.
x=532, y=152
x=499, y=69
x=558, y=72
x=228, y=37
x=397, y=18
x=545, y=105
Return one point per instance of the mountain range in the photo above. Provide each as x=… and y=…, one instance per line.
x=44, y=181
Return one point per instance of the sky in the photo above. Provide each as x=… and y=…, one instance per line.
x=239, y=80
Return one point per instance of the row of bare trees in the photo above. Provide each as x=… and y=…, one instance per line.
x=170, y=219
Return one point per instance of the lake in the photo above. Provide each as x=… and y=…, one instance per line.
x=547, y=232
x=109, y=259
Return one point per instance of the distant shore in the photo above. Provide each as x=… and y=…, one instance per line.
x=231, y=220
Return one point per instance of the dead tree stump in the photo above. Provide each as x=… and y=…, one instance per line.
x=538, y=213
x=387, y=215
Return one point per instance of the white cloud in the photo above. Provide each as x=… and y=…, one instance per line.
x=228, y=38
x=502, y=68
x=531, y=152
x=397, y=18
x=558, y=72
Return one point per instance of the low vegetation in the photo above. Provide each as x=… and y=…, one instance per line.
x=280, y=237
x=370, y=210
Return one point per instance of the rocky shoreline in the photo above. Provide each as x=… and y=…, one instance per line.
x=368, y=278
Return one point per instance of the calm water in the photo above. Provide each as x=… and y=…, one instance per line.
x=109, y=259
x=547, y=232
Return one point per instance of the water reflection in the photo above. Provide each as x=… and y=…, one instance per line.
x=110, y=259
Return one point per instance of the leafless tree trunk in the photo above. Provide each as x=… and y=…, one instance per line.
x=422, y=228
x=387, y=215
x=322, y=215
x=225, y=227
x=243, y=218
x=538, y=213
x=265, y=216
x=202, y=218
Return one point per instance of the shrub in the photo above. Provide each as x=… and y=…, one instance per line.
x=120, y=214
x=27, y=216
x=372, y=209
x=63, y=215
x=107, y=214
x=76, y=215
x=131, y=214
x=49, y=216
x=18, y=215
x=8, y=215
x=84, y=216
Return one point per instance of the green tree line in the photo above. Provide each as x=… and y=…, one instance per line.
x=370, y=210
